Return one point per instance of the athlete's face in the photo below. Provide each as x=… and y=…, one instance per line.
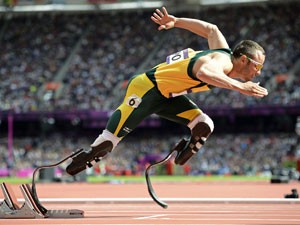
x=252, y=65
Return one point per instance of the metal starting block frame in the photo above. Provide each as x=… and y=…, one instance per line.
x=32, y=208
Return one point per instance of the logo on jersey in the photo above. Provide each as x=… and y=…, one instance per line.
x=133, y=101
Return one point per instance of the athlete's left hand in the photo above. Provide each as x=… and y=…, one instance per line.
x=253, y=89
x=163, y=19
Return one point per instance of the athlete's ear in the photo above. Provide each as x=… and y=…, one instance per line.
x=243, y=59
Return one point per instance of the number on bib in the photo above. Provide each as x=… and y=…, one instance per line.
x=177, y=56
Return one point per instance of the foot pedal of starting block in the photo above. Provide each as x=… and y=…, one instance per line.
x=9, y=197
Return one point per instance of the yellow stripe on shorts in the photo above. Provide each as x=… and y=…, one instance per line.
x=138, y=86
x=190, y=114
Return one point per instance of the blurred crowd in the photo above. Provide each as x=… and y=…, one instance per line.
x=90, y=57
x=223, y=154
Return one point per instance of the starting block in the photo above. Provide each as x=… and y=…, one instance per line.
x=10, y=207
x=32, y=208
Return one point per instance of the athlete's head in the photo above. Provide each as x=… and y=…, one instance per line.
x=249, y=57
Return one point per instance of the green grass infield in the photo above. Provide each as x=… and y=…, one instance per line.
x=130, y=179
x=138, y=179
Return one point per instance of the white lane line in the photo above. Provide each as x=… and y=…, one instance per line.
x=174, y=200
x=284, y=221
x=149, y=217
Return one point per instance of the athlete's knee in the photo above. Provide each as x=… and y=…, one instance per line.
x=201, y=127
x=202, y=121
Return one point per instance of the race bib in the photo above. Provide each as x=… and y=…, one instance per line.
x=133, y=101
x=177, y=56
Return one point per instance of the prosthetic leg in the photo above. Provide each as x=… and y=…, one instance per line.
x=201, y=128
x=86, y=158
x=103, y=145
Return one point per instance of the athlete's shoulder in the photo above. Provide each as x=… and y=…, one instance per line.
x=218, y=50
x=223, y=50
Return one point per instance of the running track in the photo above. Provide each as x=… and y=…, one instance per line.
x=210, y=203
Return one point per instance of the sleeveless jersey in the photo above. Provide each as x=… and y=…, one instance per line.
x=174, y=77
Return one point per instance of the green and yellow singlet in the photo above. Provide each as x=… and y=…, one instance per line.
x=174, y=77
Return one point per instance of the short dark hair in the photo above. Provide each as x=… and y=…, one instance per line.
x=248, y=48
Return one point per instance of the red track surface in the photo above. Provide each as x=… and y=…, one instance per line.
x=227, y=213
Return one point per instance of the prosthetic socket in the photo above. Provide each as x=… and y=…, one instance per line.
x=103, y=145
x=201, y=127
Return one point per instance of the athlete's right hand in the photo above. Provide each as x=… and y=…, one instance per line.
x=253, y=89
x=163, y=19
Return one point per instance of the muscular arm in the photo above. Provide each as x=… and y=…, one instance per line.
x=204, y=29
x=212, y=73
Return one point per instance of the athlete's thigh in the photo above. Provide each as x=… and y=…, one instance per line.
x=180, y=109
x=141, y=100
